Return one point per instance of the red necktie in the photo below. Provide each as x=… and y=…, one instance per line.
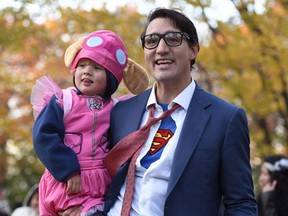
x=130, y=146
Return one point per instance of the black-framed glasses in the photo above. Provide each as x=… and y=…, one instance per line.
x=172, y=39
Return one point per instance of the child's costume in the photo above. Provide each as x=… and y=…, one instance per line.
x=70, y=130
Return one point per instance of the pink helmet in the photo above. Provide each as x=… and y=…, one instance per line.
x=106, y=49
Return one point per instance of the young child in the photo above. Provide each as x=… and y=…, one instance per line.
x=70, y=130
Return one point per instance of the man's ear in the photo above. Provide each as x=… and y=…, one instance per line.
x=194, y=51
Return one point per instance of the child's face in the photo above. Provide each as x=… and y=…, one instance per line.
x=90, y=78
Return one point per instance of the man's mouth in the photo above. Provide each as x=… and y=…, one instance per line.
x=164, y=61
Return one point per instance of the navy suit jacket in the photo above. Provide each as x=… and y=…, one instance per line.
x=212, y=157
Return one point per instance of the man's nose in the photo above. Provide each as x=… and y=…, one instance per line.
x=162, y=46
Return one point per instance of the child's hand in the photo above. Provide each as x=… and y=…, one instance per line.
x=74, y=185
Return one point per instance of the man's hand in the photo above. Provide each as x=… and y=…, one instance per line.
x=269, y=186
x=72, y=211
x=74, y=185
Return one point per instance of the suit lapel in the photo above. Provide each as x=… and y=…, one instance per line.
x=135, y=114
x=194, y=124
x=135, y=118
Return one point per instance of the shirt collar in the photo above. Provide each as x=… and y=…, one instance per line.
x=183, y=98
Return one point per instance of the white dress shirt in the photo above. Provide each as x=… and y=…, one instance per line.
x=151, y=184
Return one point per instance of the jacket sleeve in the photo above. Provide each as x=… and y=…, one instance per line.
x=48, y=141
x=236, y=172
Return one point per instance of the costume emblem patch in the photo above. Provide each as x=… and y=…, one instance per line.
x=94, y=104
x=161, y=138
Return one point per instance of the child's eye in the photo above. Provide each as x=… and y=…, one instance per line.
x=98, y=68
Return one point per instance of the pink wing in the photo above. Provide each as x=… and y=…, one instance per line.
x=42, y=92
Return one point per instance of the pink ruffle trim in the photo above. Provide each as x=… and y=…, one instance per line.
x=42, y=92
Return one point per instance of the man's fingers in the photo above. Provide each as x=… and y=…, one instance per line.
x=72, y=211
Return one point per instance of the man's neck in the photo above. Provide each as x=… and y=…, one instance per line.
x=165, y=92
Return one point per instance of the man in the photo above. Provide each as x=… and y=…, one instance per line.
x=207, y=157
x=195, y=159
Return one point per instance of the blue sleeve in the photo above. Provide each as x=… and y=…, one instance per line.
x=48, y=141
x=237, y=182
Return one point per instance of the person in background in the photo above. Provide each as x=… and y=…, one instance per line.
x=273, y=180
x=24, y=211
x=70, y=129
x=32, y=198
x=5, y=209
x=196, y=157
x=30, y=205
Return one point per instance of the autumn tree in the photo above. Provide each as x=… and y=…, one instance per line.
x=30, y=49
x=242, y=60
x=245, y=62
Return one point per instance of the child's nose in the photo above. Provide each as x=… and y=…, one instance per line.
x=88, y=70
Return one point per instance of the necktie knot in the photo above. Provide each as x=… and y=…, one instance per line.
x=151, y=121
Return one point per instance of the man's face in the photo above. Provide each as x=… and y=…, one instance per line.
x=167, y=63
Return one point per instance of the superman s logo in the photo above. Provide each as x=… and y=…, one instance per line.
x=161, y=138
